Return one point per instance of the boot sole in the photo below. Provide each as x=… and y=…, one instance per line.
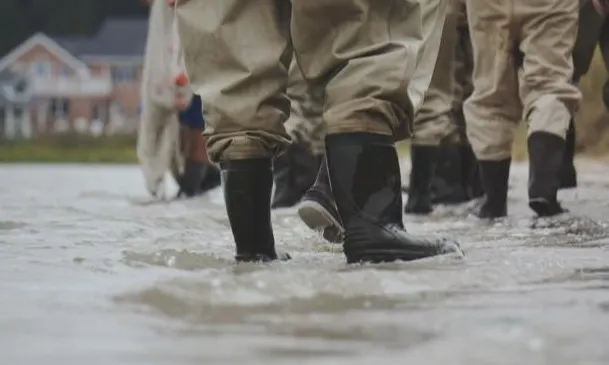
x=316, y=217
x=381, y=256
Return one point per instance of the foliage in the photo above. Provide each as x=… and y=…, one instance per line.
x=70, y=148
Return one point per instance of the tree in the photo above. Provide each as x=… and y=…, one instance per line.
x=22, y=18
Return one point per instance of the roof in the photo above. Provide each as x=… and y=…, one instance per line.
x=72, y=44
x=50, y=44
x=117, y=37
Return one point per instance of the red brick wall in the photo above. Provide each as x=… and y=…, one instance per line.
x=127, y=94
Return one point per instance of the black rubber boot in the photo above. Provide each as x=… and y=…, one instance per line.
x=568, y=174
x=198, y=178
x=447, y=183
x=545, y=160
x=365, y=178
x=494, y=176
x=294, y=172
x=471, y=173
x=247, y=193
x=191, y=179
x=211, y=178
x=318, y=208
x=424, y=160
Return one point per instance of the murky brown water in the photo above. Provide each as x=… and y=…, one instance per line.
x=91, y=274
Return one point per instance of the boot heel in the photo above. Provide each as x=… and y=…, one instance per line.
x=545, y=208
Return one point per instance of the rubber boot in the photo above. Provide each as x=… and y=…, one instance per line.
x=247, y=193
x=294, y=172
x=365, y=179
x=545, y=160
x=447, y=183
x=424, y=160
x=318, y=208
x=494, y=176
x=190, y=181
x=200, y=175
x=568, y=174
x=471, y=173
x=211, y=178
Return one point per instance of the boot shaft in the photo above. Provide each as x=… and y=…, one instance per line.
x=365, y=176
x=247, y=188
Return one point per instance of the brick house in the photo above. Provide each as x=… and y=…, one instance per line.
x=79, y=84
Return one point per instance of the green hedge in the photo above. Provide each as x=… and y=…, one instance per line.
x=70, y=148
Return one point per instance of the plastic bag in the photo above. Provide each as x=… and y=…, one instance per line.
x=164, y=80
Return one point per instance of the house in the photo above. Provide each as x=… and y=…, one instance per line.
x=75, y=82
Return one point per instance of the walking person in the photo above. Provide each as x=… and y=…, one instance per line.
x=537, y=38
x=364, y=53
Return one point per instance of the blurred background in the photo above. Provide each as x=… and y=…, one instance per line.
x=70, y=74
x=69, y=83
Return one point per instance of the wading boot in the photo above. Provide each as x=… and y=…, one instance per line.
x=200, y=175
x=211, y=178
x=294, y=171
x=545, y=160
x=447, y=183
x=365, y=179
x=471, y=173
x=247, y=193
x=424, y=160
x=318, y=208
x=190, y=181
x=494, y=176
x=568, y=174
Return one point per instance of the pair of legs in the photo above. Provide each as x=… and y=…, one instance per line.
x=363, y=52
x=318, y=209
x=522, y=58
x=296, y=168
x=442, y=163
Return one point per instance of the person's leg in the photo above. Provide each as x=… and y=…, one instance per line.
x=295, y=169
x=433, y=124
x=200, y=175
x=550, y=98
x=470, y=171
x=589, y=29
x=604, y=46
x=493, y=109
x=365, y=51
x=241, y=78
x=318, y=206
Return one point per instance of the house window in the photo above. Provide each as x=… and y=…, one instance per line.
x=65, y=72
x=60, y=108
x=41, y=68
x=20, y=87
x=123, y=74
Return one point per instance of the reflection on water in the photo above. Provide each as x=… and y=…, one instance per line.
x=92, y=271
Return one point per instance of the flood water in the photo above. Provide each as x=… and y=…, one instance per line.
x=91, y=272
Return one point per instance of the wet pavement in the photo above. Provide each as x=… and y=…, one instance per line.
x=93, y=272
